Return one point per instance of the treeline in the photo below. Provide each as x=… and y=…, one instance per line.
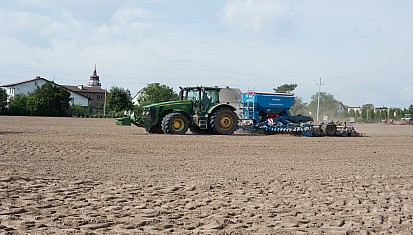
x=336, y=110
x=54, y=100
x=47, y=100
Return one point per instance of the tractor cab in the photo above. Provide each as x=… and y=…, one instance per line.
x=202, y=97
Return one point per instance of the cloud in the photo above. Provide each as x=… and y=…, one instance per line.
x=126, y=24
x=258, y=16
x=38, y=27
x=30, y=29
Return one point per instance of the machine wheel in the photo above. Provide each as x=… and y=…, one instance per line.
x=223, y=122
x=197, y=131
x=331, y=130
x=154, y=130
x=175, y=123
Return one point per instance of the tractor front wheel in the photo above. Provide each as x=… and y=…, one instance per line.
x=175, y=123
x=223, y=122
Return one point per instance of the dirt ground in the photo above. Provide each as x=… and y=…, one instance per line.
x=89, y=176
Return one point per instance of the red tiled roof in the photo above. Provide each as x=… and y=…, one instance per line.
x=87, y=89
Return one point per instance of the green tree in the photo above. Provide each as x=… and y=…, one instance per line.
x=351, y=113
x=370, y=115
x=299, y=107
x=286, y=88
x=363, y=115
x=78, y=110
x=391, y=113
x=18, y=105
x=119, y=99
x=358, y=116
x=49, y=100
x=399, y=114
x=328, y=105
x=155, y=93
x=3, y=100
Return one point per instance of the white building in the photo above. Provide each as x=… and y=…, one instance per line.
x=25, y=87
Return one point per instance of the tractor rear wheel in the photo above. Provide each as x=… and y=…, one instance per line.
x=175, y=123
x=223, y=122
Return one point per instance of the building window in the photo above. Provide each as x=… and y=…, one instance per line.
x=99, y=97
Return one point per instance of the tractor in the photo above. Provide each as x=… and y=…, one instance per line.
x=198, y=109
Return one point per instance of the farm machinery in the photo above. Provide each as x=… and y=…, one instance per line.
x=200, y=110
x=270, y=113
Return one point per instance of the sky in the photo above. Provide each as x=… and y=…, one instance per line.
x=361, y=49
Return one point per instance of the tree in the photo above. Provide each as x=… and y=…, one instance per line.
x=77, y=110
x=352, y=113
x=3, y=100
x=370, y=115
x=328, y=105
x=155, y=93
x=119, y=99
x=18, y=105
x=286, y=88
x=49, y=100
x=299, y=107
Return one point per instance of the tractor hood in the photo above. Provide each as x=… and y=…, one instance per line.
x=168, y=103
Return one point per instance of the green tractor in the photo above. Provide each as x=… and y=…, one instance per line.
x=198, y=109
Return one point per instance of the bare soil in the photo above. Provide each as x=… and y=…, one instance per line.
x=86, y=176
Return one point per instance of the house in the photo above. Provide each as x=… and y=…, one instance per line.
x=28, y=86
x=355, y=108
x=93, y=91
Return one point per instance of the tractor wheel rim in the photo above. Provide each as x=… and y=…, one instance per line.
x=225, y=122
x=178, y=124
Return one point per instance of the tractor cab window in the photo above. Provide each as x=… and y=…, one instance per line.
x=213, y=96
x=191, y=95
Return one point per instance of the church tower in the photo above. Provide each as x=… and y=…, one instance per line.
x=94, y=79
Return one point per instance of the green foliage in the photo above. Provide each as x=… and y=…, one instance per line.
x=78, y=110
x=119, y=99
x=18, y=105
x=3, y=100
x=363, y=115
x=358, y=116
x=299, y=107
x=352, y=113
x=155, y=93
x=286, y=88
x=329, y=106
x=49, y=100
x=391, y=113
x=370, y=115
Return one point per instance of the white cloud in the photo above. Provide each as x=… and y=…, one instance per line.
x=259, y=16
x=30, y=29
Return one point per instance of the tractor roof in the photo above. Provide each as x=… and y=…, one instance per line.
x=201, y=87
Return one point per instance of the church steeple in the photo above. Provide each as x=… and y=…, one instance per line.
x=94, y=79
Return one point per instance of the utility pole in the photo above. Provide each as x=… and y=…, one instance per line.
x=104, y=105
x=318, y=98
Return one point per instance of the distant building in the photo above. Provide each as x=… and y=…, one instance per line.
x=93, y=91
x=355, y=108
x=28, y=86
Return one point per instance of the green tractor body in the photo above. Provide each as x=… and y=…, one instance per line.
x=198, y=109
